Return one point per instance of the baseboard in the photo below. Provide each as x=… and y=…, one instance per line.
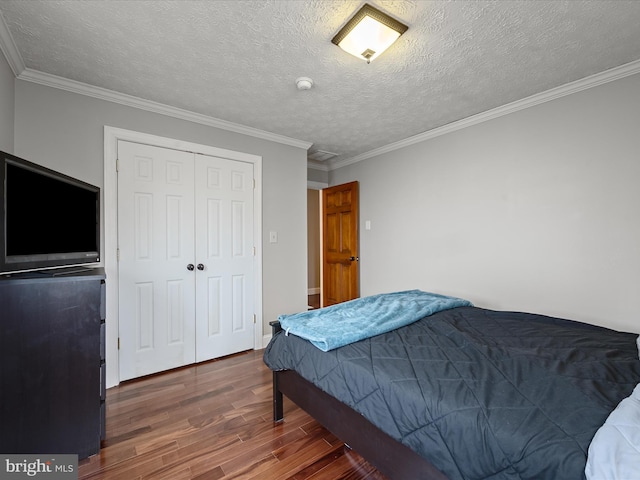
x=265, y=340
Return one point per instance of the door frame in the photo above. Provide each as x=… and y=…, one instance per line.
x=317, y=186
x=110, y=221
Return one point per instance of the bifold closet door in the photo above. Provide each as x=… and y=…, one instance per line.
x=186, y=267
x=156, y=245
x=224, y=251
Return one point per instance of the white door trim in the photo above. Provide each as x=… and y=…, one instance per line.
x=316, y=185
x=110, y=222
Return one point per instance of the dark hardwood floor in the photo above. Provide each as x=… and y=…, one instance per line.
x=213, y=421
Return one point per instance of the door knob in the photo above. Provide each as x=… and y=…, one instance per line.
x=190, y=267
x=353, y=259
x=200, y=266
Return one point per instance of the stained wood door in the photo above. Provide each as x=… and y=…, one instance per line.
x=340, y=244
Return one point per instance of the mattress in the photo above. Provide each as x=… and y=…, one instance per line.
x=480, y=394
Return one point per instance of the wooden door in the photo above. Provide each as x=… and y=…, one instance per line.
x=340, y=271
x=156, y=247
x=224, y=252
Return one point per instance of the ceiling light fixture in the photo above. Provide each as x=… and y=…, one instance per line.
x=369, y=33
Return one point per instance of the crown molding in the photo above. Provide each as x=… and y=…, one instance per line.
x=8, y=47
x=12, y=54
x=35, y=76
x=591, y=81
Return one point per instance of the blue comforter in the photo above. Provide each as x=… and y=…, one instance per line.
x=348, y=322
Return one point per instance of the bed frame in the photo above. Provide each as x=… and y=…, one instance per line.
x=395, y=460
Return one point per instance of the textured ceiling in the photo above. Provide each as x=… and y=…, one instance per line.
x=238, y=60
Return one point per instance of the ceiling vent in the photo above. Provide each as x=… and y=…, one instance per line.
x=321, y=156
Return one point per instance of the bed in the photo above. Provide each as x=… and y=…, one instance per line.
x=463, y=392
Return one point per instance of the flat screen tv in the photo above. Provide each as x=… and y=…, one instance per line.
x=48, y=219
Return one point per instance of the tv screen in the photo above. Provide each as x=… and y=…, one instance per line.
x=49, y=219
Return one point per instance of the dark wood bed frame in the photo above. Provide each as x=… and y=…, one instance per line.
x=395, y=460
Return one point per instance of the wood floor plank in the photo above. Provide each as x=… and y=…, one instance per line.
x=320, y=465
x=213, y=421
x=296, y=457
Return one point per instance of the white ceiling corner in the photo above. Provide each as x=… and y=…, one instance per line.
x=9, y=48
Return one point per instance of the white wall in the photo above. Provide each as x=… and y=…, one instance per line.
x=6, y=106
x=535, y=211
x=315, y=175
x=64, y=131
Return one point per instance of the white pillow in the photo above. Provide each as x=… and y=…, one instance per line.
x=614, y=453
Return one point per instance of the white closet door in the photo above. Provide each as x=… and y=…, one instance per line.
x=224, y=250
x=156, y=245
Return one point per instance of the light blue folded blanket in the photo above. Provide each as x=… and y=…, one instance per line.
x=344, y=323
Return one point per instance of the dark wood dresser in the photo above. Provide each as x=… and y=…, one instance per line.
x=52, y=370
